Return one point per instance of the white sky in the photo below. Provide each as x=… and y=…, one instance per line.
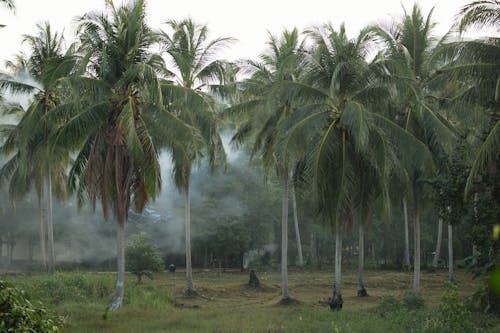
x=248, y=21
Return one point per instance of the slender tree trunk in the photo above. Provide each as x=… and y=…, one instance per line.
x=296, y=224
x=416, y=264
x=435, y=260
x=117, y=301
x=450, y=254
x=50, y=226
x=361, y=258
x=284, y=240
x=406, y=259
x=189, y=268
x=312, y=248
x=43, y=252
x=336, y=303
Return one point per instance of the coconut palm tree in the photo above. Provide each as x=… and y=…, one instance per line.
x=265, y=110
x=115, y=109
x=343, y=95
x=194, y=69
x=33, y=156
x=414, y=64
x=475, y=64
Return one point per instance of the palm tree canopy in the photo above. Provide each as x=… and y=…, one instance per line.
x=112, y=111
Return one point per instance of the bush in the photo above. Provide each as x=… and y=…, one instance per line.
x=452, y=315
x=142, y=256
x=18, y=314
x=413, y=301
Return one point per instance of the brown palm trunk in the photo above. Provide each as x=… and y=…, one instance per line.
x=416, y=264
x=437, y=253
x=296, y=225
x=361, y=258
x=50, y=226
x=117, y=301
x=284, y=239
x=406, y=260
x=189, y=268
x=43, y=252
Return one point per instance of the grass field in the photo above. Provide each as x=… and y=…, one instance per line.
x=226, y=304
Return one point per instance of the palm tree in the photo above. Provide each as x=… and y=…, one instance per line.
x=33, y=155
x=414, y=65
x=9, y=4
x=264, y=111
x=475, y=64
x=194, y=69
x=115, y=108
x=343, y=96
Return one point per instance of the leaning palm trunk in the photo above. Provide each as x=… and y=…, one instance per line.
x=189, y=268
x=43, y=252
x=117, y=301
x=435, y=260
x=361, y=258
x=406, y=260
x=416, y=264
x=50, y=226
x=450, y=254
x=284, y=240
x=336, y=302
x=296, y=224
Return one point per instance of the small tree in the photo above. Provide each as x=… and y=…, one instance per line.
x=143, y=256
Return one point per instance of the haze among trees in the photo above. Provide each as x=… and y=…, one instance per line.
x=363, y=133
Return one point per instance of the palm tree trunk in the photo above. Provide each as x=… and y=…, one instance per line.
x=416, y=264
x=296, y=224
x=406, y=260
x=117, y=301
x=361, y=258
x=43, y=252
x=450, y=254
x=50, y=225
x=336, y=303
x=435, y=260
x=284, y=240
x=189, y=268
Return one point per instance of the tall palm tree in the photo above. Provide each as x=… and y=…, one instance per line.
x=265, y=110
x=115, y=108
x=411, y=50
x=34, y=158
x=194, y=69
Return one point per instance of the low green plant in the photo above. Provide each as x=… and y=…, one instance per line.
x=413, y=301
x=18, y=314
x=142, y=256
x=452, y=315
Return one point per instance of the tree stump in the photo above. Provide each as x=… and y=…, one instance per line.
x=336, y=302
x=254, y=280
x=362, y=292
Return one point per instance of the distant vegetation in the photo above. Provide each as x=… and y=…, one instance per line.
x=378, y=148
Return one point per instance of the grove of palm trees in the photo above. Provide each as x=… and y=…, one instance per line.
x=132, y=149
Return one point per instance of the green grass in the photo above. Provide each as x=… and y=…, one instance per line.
x=225, y=304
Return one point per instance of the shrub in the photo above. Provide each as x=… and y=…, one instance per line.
x=142, y=256
x=452, y=315
x=413, y=301
x=18, y=314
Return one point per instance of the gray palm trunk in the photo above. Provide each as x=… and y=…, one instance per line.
x=189, y=267
x=284, y=239
x=361, y=259
x=406, y=259
x=117, y=301
x=296, y=224
x=450, y=254
x=416, y=264
x=337, y=292
x=50, y=226
x=43, y=252
x=437, y=253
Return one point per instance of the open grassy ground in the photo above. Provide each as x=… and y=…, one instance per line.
x=226, y=304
